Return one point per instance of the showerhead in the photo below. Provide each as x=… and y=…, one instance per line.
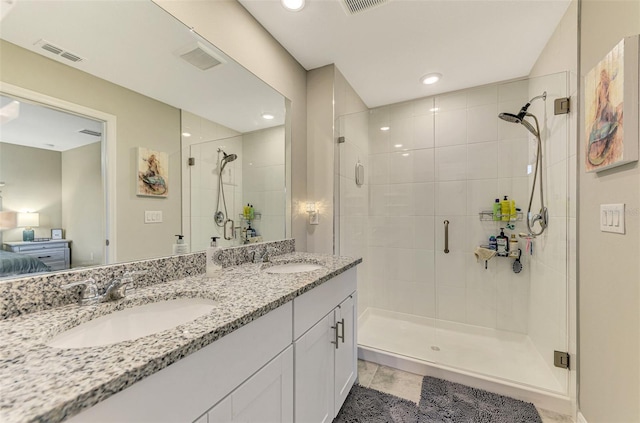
x=510, y=117
x=229, y=157
x=519, y=118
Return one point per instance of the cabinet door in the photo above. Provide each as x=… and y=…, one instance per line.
x=268, y=395
x=221, y=413
x=314, y=362
x=346, y=362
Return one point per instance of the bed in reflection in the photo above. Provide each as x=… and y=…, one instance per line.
x=12, y=264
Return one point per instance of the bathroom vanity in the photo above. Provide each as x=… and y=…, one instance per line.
x=277, y=347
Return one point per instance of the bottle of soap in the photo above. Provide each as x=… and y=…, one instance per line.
x=513, y=246
x=246, y=212
x=497, y=211
x=502, y=243
x=252, y=212
x=505, y=209
x=213, y=261
x=180, y=247
x=513, y=212
x=493, y=244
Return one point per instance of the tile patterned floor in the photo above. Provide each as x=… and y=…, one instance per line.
x=408, y=385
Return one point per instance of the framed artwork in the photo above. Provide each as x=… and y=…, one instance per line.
x=152, y=173
x=56, y=233
x=611, y=108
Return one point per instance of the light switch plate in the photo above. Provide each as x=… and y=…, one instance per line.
x=612, y=218
x=152, y=216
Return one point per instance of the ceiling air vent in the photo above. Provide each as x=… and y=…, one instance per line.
x=201, y=57
x=90, y=132
x=58, y=51
x=353, y=7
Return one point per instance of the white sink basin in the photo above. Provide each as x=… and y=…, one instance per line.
x=293, y=268
x=133, y=323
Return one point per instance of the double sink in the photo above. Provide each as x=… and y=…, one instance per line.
x=148, y=319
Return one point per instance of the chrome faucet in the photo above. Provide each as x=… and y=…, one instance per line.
x=89, y=294
x=117, y=289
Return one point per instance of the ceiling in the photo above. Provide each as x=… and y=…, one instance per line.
x=36, y=126
x=385, y=50
x=135, y=44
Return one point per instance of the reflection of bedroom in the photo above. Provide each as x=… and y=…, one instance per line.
x=51, y=169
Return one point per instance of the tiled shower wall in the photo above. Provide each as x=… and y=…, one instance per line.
x=263, y=180
x=447, y=158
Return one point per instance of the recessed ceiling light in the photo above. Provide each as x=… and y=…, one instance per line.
x=431, y=78
x=398, y=145
x=267, y=116
x=293, y=5
x=384, y=128
x=434, y=109
x=186, y=134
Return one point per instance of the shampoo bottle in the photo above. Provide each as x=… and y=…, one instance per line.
x=503, y=243
x=497, y=211
x=213, y=261
x=180, y=247
x=505, y=209
x=513, y=246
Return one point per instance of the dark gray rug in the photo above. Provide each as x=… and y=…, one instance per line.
x=448, y=402
x=364, y=405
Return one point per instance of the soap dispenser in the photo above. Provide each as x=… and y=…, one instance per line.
x=180, y=247
x=213, y=259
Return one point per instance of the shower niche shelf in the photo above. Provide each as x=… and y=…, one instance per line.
x=487, y=216
x=256, y=216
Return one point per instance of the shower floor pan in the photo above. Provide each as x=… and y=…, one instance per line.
x=503, y=362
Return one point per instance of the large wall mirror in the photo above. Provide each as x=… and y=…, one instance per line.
x=122, y=128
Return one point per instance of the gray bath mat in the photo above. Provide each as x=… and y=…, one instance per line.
x=364, y=405
x=448, y=402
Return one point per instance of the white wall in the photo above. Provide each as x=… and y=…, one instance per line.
x=33, y=183
x=608, y=275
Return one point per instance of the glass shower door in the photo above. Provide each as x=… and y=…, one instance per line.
x=388, y=219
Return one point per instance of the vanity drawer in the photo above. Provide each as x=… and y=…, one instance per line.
x=47, y=255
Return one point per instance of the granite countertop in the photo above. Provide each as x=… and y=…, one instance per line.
x=42, y=383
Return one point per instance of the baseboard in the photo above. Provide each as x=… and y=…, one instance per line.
x=581, y=418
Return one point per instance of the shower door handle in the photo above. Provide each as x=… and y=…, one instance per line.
x=446, y=237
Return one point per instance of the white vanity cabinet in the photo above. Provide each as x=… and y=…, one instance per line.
x=266, y=397
x=242, y=364
x=325, y=348
x=250, y=375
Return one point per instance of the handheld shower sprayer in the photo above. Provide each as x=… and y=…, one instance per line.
x=222, y=219
x=543, y=216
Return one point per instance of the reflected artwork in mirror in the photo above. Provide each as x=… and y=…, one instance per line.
x=157, y=86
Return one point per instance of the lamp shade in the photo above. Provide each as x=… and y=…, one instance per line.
x=7, y=220
x=28, y=220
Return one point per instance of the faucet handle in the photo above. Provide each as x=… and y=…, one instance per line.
x=89, y=293
x=128, y=280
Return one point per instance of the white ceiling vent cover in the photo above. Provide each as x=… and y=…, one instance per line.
x=58, y=51
x=353, y=7
x=200, y=56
